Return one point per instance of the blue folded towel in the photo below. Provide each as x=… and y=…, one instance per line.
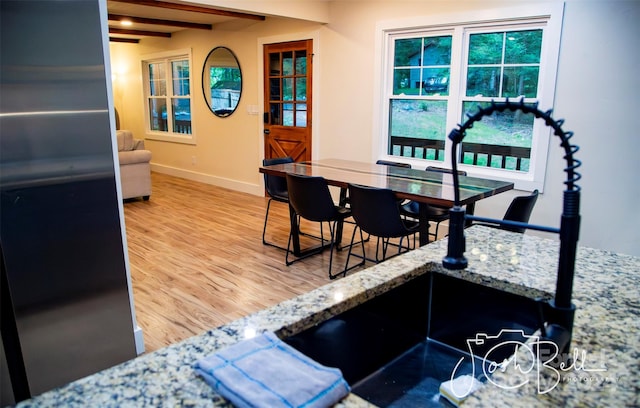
x=266, y=372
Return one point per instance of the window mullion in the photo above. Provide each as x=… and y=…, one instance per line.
x=169, y=94
x=502, y=61
x=456, y=87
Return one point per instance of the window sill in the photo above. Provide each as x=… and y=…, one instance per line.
x=172, y=137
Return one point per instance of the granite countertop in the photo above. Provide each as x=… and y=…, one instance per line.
x=606, y=332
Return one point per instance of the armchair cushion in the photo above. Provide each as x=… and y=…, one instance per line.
x=134, y=156
x=125, y=140
x=135, y=168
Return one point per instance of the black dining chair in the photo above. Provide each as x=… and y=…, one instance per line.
x=344, y=198
x=519, y=210
x=310, y=198
x=276, y=187
x=393, y=164
x=376, y=211
x=435, y=213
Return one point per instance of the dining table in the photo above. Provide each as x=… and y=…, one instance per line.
x=424, y=187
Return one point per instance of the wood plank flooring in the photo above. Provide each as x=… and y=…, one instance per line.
x=197, y=259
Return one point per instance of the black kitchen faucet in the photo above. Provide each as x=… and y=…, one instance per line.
x=557, y=314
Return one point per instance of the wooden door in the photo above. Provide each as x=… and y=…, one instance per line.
x=287, y=99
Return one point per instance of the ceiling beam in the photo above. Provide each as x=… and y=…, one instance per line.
x=139, y=32
x=195, y=9
x=154, y=21
x=124, y=40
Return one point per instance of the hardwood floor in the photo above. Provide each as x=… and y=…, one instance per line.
x=197, y=259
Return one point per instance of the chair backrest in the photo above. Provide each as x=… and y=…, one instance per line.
x=276, y=186
x=310, y=197
x=393, y=164
x=520, y=210
x=376, y=211
x=445, y=170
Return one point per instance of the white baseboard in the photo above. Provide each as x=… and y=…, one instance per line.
x=139, y=340
x=209, y=179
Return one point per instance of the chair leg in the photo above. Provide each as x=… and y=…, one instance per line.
x=409, y=247
x=435, y=235
x=382, y=246
x=289, y=250
x=332, y=233
x=308, y=252
x=322, y=233
x=335, y=229
x=353, y=236
x=264, y=229
x=286, y=256
x=385, y=244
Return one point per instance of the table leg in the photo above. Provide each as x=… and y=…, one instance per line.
x=469, y=211
x=340, y=225
x=423, y=220
x=295, y=231
x=343, y=197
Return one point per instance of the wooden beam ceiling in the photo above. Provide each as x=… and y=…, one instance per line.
x=166, y=23
x=192, y=8
x=155, y=21
x=139, y=32
x=124, y=40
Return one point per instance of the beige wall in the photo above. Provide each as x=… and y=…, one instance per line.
x=595, y=94
x=227, y=150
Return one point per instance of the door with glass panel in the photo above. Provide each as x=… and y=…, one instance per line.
x=287, y=99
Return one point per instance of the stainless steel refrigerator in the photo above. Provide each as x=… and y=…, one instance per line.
x=66, y=296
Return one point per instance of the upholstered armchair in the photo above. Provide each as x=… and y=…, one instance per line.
x=135, y=167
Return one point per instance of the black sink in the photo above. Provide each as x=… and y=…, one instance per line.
x=396, y=349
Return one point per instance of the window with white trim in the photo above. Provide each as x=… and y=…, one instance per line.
x=167, y=88
x=436, y=75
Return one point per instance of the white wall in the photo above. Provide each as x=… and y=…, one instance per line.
x=597, y=93
x=596, y=89
x=596, y=82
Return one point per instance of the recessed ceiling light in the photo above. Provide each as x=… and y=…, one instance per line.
x=126, y=23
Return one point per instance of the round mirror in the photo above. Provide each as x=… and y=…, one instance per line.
x=222, y=81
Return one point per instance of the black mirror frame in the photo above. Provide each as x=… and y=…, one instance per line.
x=226, y=112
